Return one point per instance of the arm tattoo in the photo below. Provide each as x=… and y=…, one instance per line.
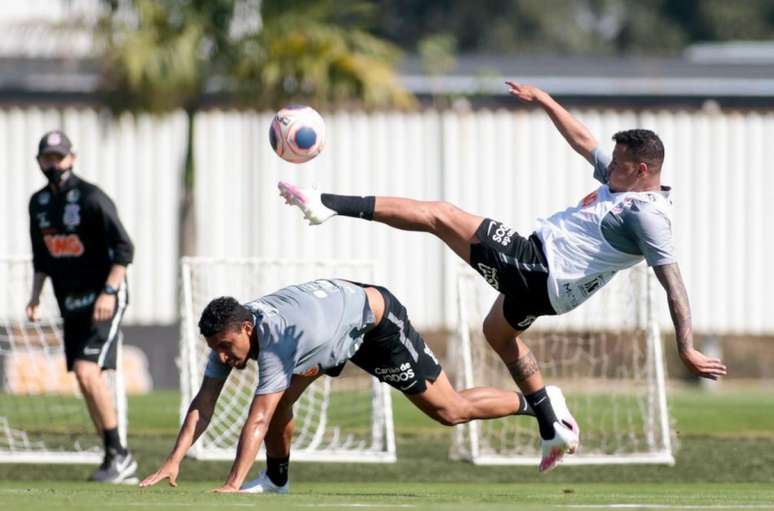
x=679, y=307
x=523, y=367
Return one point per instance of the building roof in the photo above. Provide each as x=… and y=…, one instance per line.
x=599, y=76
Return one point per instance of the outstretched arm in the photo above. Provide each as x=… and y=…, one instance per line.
x=196, y=421
x=253, y=433
x=576, y=134
x=680, y=310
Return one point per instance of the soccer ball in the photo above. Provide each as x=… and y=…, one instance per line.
x=297, y=133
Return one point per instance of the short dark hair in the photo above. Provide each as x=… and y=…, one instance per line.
x=223, y=314
x=643, y=145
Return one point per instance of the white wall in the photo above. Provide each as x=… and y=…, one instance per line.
x=136, y=160
x=512, y=166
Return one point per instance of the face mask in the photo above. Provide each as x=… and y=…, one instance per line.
x=55, y=175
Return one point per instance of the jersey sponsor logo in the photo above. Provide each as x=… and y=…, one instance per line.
x=73, y=195
x=589, y=199
x=489, y=274
x=44, y=198
x=503, y=234
x=75, y=302
x=72, y=215
x=63, y=245
x=400, y=374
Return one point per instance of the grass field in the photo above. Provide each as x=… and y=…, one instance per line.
x=725, y=461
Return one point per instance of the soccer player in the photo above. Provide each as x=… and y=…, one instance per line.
x=79, y=241
x=569, y=257
x=297, y=334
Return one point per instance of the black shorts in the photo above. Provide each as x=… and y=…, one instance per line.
x=95, y=341
x=395, y=353
x=517, y=268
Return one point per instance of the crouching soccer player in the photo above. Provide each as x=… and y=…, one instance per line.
x=301, y=332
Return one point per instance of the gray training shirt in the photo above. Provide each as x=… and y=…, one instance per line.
x=304, y=328
x=639, y=227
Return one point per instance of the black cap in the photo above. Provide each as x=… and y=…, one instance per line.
x=55, y=142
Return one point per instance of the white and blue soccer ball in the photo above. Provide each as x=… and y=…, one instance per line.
x=297, y=133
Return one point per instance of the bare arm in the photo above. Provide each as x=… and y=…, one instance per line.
x=196, y=421
x=680, y=310
x=573, y=131
x=253, y=433
x=37, y=287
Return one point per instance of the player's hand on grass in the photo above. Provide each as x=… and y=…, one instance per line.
x=701, y=365
x=104, y=307
x=32, y=310
x=526, y=93
x=168, y=470
x=226, y=488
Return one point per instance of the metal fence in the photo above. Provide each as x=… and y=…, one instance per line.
x=510, y=165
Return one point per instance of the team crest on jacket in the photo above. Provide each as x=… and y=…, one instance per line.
x=72, y=215
x=44, y=198
x=73, y=195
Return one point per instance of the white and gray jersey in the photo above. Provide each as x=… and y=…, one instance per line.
x=303, y=329
x=586, y=245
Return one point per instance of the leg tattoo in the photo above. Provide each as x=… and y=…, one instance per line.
x=523, y=367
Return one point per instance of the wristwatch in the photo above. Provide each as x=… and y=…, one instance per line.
x=109, y=290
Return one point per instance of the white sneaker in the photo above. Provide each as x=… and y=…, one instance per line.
x=307, y=200
x=262, y=484
x=566, y=432
x=117, y=469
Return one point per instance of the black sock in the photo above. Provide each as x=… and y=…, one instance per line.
x=113, y=442
x=350, y=205
x=544, y=412
x=524, y=407
x=277, y=469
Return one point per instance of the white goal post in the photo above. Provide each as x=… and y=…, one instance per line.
x=607, y=358
x=342, y=419
x=43, y=417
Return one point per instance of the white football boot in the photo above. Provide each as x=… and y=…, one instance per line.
x=307, y=200
x=566, y=432
x=262, y=484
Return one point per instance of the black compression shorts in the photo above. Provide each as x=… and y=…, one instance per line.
x=517, y=268
x=394, y=352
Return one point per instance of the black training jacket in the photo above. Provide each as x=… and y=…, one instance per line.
x=76, y=237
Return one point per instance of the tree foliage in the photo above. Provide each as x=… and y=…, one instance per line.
x=575, y=27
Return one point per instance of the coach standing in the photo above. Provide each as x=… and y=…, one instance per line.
x=78, y=241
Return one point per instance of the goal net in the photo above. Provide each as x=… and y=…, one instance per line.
x=347, y=418
x=605, y=356
x=43, y=417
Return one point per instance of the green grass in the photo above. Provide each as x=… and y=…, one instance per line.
x=446, y=496
x=725, y=458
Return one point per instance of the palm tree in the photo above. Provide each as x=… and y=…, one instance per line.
x=164, y=55
x=315, y=50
